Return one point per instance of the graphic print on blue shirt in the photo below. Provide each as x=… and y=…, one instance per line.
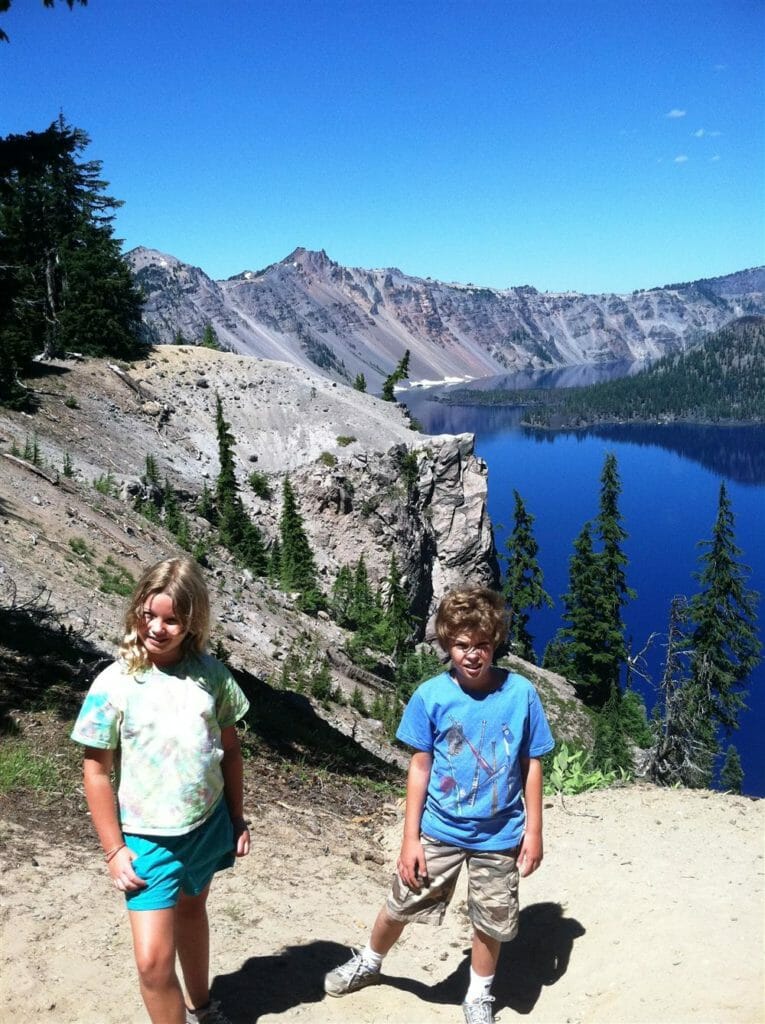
x=477, y=741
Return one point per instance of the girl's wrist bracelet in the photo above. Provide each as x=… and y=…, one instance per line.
x=114, y=851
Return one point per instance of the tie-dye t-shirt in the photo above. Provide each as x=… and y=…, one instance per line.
x=166, y=725
x=477, y=740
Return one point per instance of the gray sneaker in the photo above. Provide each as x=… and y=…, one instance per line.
x=210, y=1014
x=478, y=1011
x=351, y=976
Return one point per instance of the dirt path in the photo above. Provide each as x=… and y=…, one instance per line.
x=648, y=909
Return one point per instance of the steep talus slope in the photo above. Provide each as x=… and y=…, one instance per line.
x=311, y=311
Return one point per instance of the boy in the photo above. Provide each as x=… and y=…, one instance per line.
x=477, y=733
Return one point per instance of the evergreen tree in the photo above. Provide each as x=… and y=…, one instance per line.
x=613, y=582
x=210, y=338
x=725, y=643
x=63, y=281
x=523, y=587
x=732, y=774
x=575, y=650
x=297, y=564
x=236, y=530
x=685, y=743
x=400, y=373
x=396, y=626
x=360, y=383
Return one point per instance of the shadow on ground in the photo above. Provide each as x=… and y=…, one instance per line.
x=537, y=958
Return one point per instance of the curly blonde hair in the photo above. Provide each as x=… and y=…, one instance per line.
x=182, y=581
x=475, y=610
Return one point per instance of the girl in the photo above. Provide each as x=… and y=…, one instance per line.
x=170, y=710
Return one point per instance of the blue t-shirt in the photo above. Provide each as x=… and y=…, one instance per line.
x=477, y=740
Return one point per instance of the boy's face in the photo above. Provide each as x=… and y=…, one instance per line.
x=472, y=655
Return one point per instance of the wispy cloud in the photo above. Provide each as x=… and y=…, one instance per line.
x=681, y=159
x=720, y=67
x=714, y=159
x=705, y=133
x=675, y=113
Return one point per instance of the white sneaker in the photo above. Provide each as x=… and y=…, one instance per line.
x=351, y=976
x=478, y=1011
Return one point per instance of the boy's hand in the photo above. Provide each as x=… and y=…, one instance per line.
x=530, y=853
x=411, y=865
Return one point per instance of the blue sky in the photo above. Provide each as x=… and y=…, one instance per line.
x=588, y=145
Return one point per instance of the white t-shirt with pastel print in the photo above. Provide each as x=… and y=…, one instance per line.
x=166, y=725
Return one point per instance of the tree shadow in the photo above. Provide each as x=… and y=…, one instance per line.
x=275, y=983
x=288, y=724
x=537, y=957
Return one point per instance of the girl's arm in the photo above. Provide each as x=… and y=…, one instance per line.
x=97, y=768
x=530, y=853
x=411, y=861
x=233, y=787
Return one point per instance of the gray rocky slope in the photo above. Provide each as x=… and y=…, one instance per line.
x=340, y=321
x=366, y=484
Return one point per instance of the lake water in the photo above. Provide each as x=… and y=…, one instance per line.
x=671, y=478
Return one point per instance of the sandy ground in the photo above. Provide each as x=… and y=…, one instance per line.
x=648, y=908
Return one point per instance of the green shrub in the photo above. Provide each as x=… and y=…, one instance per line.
x=259, y=483
x=328, y=459
x=344, y=440
x=114, y=579
x=105, y=484
x=572, y=773
x=80, y=547
x=71, y=402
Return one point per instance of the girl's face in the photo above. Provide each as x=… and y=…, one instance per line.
x=472, y=656
x=160, y=631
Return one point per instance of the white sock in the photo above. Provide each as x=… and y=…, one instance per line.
x=479, y=986
x=369, y=956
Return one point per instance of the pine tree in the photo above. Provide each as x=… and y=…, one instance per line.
x=613, y=582
x=400, y=373
x=523, y=587
x=725, y=643
x=577, y=644
x=396, y=626
x=360, y=383
x=732, y=774
x=297, y=564
x=63, y=281
x=210, y=338
x=236, y=530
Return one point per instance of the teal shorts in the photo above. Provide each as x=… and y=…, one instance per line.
x=174, y=864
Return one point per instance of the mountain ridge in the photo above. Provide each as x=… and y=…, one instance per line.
x=309, y=310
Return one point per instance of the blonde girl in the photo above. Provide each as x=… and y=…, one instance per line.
x=168, y=711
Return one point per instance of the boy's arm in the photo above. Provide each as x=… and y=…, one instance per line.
x=411, y=861
x=530, y=853
x=233, y=787
x=97, y=767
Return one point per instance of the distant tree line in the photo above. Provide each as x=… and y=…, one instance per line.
x=721, y=380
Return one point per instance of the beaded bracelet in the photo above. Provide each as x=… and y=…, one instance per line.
x=114, y=851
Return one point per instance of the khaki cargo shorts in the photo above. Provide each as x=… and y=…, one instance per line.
x=492, y=889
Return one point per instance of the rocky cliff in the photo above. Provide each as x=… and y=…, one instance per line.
x=341, y=321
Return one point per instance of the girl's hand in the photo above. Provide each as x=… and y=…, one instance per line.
x=411, y=864
x=121, y=870
x=241, y=837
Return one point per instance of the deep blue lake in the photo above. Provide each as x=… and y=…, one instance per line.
x=671, y=478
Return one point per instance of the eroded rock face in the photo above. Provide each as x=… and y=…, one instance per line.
x=425, y=504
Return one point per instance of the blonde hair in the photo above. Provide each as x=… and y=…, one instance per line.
x=475, y=610
x=182, y=581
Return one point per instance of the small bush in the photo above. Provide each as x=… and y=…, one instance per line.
x=344, y=440
x=259, y=483
x=114, y=579
x=105, y=484
x=80, y=547
x=328, y=459
x=71, y=402
x=572, y=773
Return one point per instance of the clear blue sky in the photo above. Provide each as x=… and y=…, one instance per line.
x=592, y=145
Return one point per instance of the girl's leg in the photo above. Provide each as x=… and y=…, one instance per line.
x=192, y=940
x=154, y=947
